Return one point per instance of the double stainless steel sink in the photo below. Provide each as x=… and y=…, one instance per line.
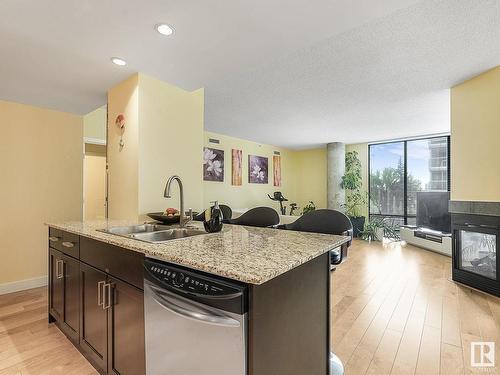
x=154, y=233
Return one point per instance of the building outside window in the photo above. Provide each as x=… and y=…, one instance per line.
x=398, y=170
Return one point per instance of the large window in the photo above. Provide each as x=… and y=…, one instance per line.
x=398, y=170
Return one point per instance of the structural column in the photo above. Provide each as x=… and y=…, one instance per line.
x=336, y=169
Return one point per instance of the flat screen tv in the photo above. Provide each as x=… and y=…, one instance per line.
x=432, y=210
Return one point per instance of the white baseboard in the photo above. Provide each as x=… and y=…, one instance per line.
x=17, y=286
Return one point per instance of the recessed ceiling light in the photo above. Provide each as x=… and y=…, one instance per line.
x=164, y=29
x=118, y=61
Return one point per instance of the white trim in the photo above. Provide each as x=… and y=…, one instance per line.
x=94, y=141
x=17, y=286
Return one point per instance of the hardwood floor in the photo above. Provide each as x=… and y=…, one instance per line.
x=29, y=345
x=394, y=311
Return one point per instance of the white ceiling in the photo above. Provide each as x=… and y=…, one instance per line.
x=295, y=73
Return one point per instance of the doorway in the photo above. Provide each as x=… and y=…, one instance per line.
x=94, y=165
x=94, y=189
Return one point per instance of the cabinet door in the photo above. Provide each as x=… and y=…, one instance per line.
x=71, y=281
x=126, y=349
x=93, y=317
x=56, y=284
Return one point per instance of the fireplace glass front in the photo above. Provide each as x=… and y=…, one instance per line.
x=478, y=252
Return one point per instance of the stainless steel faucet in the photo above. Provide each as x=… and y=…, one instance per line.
x=183, y=218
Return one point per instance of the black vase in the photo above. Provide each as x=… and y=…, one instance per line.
x=358, y=225
x=213, y=219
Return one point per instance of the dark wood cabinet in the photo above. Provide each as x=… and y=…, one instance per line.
x=64, y=280
x=126, y=349
x=96, y=298
x=71, y=280
x=67, y=243
x=93, y=319
x=289, y=322
x=121, y=264
x=112, y=323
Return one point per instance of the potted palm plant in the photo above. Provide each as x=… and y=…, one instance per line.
x=355, y=200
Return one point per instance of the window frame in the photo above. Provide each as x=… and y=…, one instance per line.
x=405, y=215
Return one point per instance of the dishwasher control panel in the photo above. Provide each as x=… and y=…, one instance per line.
x=187, y=281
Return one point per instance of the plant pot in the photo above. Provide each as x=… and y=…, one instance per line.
x=380, y=234
x=358, y=224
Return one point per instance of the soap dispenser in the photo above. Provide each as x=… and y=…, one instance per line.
x=213, y=218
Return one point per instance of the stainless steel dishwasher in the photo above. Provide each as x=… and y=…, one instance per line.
x=194, y=323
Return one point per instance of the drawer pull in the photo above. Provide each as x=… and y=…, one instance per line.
x=107, y=291
x=53, y=238
x=68, y=244
x=59, y=269
x=100, y=292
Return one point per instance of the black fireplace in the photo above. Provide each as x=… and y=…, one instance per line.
x=476, y=239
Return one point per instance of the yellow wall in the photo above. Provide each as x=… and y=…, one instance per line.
x=475, y=138
x=170, y=142
x=311, y=175
x=41, y=163
x=123, y=199
x=163, y=136
x=362, y=150
x=94, y=124
x=303, y=176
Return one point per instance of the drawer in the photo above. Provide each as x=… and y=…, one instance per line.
x=121, y=263
x=55, y=238
x=68, y=243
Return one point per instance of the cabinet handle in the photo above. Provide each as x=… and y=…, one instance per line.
x=53, y=238
x=68, y=244
x=59, y=269
x=100, y=292
x=107, y=289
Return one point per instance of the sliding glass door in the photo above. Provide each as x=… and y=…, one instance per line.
x=398, y=170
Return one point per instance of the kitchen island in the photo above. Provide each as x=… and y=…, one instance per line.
x=97, y=299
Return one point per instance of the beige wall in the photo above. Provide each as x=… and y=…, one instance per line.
x=170, y=142
x=163, y=136
x=94, y=124
x=475, y=138
x=123, y=199
x=362, y=150
x=41, y=162
x=311, y=175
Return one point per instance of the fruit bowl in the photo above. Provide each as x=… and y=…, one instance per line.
x=164, y=218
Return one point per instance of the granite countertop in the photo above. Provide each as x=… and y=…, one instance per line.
x=247, y=254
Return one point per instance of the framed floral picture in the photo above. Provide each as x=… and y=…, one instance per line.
x=213, y=164
x=257, y=169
